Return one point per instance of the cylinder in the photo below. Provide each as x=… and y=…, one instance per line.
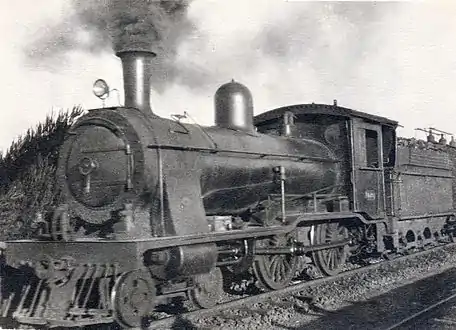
x=234, y=107
x=136, y=67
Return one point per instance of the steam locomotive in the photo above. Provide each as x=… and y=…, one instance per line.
x=156, y=208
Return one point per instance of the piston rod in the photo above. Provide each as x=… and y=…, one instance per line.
x=300, y=250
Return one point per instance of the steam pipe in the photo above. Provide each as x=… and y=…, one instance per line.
x=136, y=67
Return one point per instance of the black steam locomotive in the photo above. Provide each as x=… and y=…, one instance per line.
x=155, y=209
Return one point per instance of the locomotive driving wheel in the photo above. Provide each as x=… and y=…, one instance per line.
x=330, y=261
x=133, y=298
x=208, y=289
x=275, y=271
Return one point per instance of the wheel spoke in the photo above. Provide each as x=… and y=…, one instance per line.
x=330, y=261
x=273, y=268
x=281, y=275
x=276, y=271
x=328, y=256
x=286, y=265
x=334, y=259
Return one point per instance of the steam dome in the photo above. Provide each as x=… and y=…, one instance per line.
x=234, y=107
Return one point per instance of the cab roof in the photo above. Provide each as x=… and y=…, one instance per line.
x=321, y=109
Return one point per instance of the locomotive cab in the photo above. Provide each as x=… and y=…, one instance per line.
x=363, y=144
x=372, y=153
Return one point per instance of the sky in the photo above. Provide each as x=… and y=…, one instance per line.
x=393, y=59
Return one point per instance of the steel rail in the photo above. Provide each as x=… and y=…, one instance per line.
x=166, y=322
x=422, y=312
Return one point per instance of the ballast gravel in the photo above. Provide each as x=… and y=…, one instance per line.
x=301, y=310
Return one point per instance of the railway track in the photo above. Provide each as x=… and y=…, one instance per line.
x=439, y=315
x=186, y=318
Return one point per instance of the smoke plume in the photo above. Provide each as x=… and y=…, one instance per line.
x=146, y=25
x=395, y=59
x=195, y=48
x=96, y=26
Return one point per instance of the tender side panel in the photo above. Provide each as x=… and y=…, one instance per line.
x=452, y=154
x=422, y=180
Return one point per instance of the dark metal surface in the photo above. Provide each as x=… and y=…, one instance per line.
x=110, y=141
x=33, y=252
x=368, y=181
x=321, y=109
x=232, y=177
x=234, y=107
x=208, y=288
x=133, y=298
x=136, y=73
x=421, y=174
x=232, y=183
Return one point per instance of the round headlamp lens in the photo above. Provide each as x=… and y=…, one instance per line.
x=100, y=89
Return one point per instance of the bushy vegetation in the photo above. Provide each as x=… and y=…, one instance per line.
x=27, y=174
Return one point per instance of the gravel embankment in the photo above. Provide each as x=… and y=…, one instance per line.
x=306, y=309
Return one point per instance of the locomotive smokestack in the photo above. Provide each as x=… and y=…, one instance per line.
x=136, y=67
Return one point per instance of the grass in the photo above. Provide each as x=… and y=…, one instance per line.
x=27, y=174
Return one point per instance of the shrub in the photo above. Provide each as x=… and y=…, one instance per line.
x=27, y=174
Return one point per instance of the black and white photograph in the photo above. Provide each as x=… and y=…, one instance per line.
x=228, y=164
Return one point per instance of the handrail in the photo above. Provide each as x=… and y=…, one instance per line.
x=240, y=152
